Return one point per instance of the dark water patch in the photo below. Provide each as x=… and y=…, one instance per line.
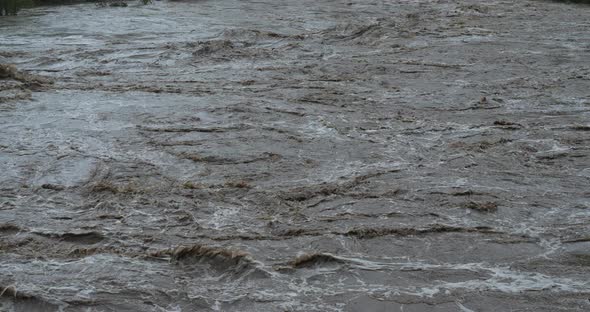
x=221, y=259
x=130, y=87
x=255, y=35
x=126, y=188
x=368, y=233
x=481, y=146
x=220, y=160
x=508, y=125
x=374, y=232
x=86, y=238
x=8, y=71
x=314, y=260
x=53, y=187
x=200, y=251
x=14, y=300
x=333, y=188
x=362, y=34
x=9, y=229
x=210, y=47
x=10, y=94
x=578, y=240
x=17, y=85
x=237, y=44
x=580, y=127
x=193, y=129
x=579, y=259
x=81, y=252
x=481, y=206
x=570, y=1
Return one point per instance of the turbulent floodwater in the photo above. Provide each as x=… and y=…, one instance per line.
x=296, y=156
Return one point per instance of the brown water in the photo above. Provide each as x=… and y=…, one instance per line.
x=296, y=156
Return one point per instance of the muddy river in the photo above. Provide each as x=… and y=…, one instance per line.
x=299, y=155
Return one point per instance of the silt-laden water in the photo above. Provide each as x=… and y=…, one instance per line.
x=296, y=156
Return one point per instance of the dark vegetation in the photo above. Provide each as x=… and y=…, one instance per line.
x=11, y=7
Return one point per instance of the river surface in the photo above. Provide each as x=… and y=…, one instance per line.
x=297, y=155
